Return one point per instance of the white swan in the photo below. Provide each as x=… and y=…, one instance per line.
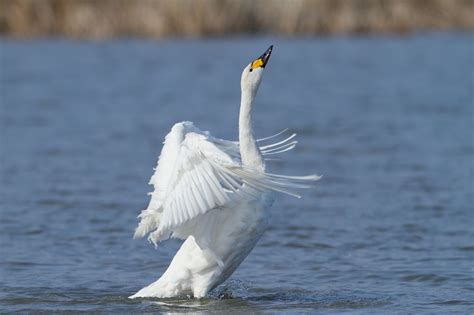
x=214, y=194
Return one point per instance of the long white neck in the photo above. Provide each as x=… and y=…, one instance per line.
x=249, y=151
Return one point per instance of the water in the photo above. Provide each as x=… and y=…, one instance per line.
x=388, y=121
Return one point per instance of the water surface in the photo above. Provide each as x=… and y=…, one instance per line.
x=387, y=121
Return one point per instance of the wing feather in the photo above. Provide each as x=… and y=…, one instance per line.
x=207, y=195
x=263, y=148
x=197, y=192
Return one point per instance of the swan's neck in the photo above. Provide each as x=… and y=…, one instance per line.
x=249, y=151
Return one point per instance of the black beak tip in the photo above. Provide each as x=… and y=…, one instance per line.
x=269, y=51
x=266, y=55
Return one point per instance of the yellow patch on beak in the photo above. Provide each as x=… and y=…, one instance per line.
x=257, y=64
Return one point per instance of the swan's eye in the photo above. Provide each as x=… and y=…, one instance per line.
x=250, y=70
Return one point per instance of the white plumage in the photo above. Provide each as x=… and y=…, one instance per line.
x=214, y=194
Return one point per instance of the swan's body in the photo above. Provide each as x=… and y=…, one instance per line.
x=214, y=194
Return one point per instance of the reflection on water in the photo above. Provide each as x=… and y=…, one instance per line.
x=387, y=121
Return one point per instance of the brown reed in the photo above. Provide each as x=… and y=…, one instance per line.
x=199, y=18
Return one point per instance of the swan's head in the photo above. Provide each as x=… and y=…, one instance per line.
x=253, y=72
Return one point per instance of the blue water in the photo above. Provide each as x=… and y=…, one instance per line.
x=388, y=121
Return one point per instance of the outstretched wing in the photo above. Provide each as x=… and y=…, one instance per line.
x=197, y=173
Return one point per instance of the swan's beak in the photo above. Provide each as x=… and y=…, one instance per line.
x=261, y=61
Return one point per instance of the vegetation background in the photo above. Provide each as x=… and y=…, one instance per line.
x=200, y=18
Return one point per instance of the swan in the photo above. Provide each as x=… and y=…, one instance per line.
x=215, y=195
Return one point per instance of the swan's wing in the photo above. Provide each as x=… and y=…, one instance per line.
x=287, y=144
x=149, y=218
x=284, y=145
x=195, y=174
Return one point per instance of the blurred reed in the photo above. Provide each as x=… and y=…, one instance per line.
x=199, y=18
